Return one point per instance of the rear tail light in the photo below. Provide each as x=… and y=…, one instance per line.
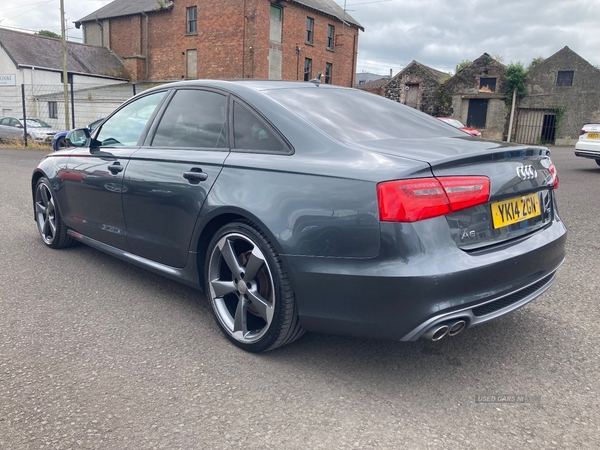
x=424, y=198
x=554, y=174
x=582, y=132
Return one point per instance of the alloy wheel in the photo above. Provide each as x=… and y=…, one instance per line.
x=45, y=210
x=241, y=288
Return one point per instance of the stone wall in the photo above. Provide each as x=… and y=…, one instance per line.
x=581, y=101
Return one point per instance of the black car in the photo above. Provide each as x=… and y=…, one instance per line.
x=302, y=206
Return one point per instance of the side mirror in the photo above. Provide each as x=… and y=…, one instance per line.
x=79, y=138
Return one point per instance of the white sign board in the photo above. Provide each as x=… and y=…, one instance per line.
x=8, y=80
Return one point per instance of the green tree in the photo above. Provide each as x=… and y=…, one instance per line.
x=461, y=65
x=515, y=79
x=47, y=33
x=534, y=62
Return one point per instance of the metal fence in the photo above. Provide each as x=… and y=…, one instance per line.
x=86, y=102
x=536, y=126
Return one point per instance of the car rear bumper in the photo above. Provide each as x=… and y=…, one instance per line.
x=400, y=298
x=588, y=149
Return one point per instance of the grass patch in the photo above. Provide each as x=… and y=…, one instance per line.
x=31, y=145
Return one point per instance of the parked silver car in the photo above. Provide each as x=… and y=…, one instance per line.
x=37, y=129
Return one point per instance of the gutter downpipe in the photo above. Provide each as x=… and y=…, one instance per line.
x=244, y=43
x=512, y=115
x=147, y=46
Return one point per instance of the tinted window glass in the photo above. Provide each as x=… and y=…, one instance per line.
x=353, y=116
x=125, y=127
x=251, y=133
x=4, y=121
x=194, y=119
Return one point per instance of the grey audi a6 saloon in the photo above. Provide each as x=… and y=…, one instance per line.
x=299, y=206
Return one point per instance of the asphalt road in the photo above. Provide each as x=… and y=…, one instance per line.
x=98, y=354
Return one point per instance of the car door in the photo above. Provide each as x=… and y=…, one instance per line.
x=93, y=179
x=10, y=128
x=169, y=178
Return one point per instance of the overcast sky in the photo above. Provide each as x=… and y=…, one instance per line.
x=438, y=33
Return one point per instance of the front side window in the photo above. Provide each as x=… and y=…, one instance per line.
x=193, y=119
x=192, y=20
x=307, y=68
x=310, y=24
x=251, y=133
x=564, y=78
x=330, y=36
x=125, y=127
x=328, y=72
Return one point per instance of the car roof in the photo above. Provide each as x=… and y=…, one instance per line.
x=243, y=85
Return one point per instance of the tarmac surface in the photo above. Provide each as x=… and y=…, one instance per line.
x=96, y=353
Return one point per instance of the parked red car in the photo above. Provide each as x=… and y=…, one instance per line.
x=458, y=124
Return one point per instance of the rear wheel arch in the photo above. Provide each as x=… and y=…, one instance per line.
x=217, y=220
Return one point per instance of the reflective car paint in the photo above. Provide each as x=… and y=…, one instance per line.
x=351, y=273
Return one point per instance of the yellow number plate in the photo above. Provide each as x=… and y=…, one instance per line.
x=593, y=136
x=515, y=210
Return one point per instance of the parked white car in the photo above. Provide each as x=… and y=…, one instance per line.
x=37, y=129
x=588, y=145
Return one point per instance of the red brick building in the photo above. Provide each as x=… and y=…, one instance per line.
x=162, y=40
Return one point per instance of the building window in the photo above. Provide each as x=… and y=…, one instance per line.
x=53, y=110
x=310, y=25
x=192, y=20
x=564, y=78
x=307, y=68
x=330, y=37
x=276, y=21
x=487, y=85
x=328, y=71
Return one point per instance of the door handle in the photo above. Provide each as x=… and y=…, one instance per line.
x=115, y=168
x=195, y=175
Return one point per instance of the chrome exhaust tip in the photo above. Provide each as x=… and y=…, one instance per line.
x=436, y=332
x=457, y=327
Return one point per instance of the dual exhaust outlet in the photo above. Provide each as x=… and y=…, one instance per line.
x=441, y=330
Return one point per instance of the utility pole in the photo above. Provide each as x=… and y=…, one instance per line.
x=64, y=63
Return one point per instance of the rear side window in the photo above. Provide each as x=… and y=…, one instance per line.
x=350, y=115
x=251, y=133
x=193, y=119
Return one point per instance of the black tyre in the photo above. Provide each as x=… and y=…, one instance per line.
x=47, y=216
x=61, y=143
x=249, y=289
x=598, y=162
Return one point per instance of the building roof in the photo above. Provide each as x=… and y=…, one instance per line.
x=30, y=50
x=436, y=74
x=374, y=84
x=119, y=8
x=330, y=8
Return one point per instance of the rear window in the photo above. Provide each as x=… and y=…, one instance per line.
x=350, y=115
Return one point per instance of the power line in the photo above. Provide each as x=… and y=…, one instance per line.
x=32, y=9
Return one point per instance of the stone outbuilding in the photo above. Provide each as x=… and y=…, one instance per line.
x=563, y=93
x=417, y=86
x=476, y=96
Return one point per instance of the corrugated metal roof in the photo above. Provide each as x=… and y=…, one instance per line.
x=119, y=8
x=27, y=49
